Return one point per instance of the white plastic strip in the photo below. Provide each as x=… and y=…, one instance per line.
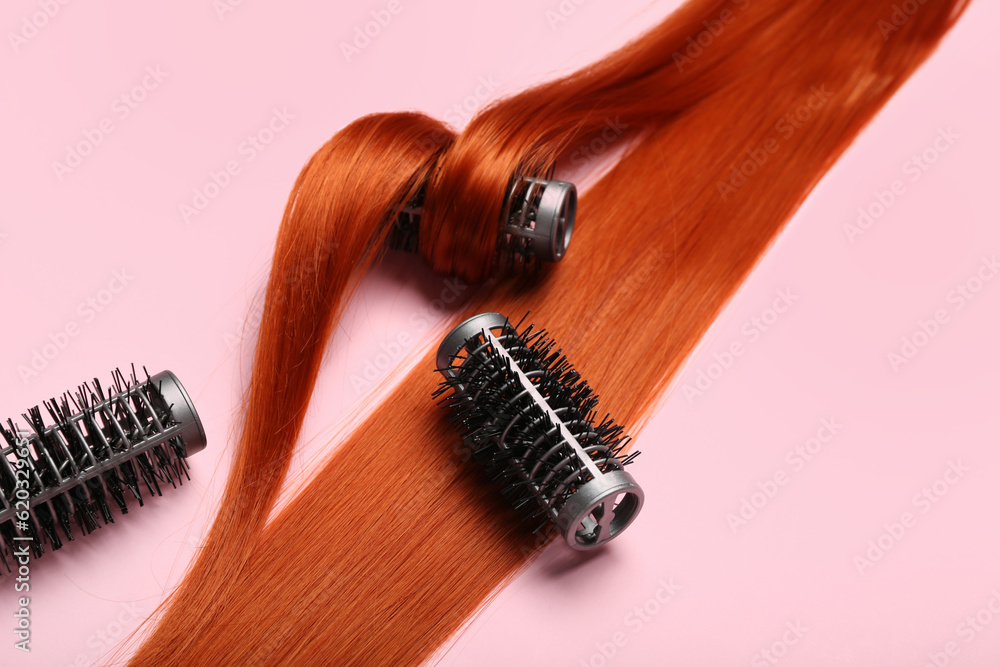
x=530, y=388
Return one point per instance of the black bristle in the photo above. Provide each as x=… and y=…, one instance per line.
x=99, y=499
x=27, y=529
x=148, y=474
x=7, y=533
x=113, y=483
x=131, y=480
x=96, y=391
x=404, y=234
x=48, y=522
x=166, y=465
x=62, y=510
x=180, y=460
x=83, y=509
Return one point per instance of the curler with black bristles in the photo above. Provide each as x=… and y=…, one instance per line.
x=527, y=415
x=101, y=444
x=536, y=223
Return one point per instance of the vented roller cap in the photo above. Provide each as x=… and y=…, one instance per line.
x=542, y=214
x=182, y=409
x=600, y=509
x=455, y=341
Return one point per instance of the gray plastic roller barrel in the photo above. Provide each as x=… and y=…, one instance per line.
x=542, y=213
x=103, y=442
x=586, y=513
x=536, y=223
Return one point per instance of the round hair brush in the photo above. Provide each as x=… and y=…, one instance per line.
x=101, y=444
x=536, y=224
x=530, y=419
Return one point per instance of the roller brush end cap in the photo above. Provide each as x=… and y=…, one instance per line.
x=455, y=341
x=554, y=222
x=182, y=408
x=600, y=510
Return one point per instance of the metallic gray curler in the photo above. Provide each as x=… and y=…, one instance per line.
x=526, y=414
x=536, y=224
x=101, y=443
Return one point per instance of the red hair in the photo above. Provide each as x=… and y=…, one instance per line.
x=663, y=240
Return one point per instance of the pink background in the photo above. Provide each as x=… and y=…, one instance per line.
x=682, y=587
